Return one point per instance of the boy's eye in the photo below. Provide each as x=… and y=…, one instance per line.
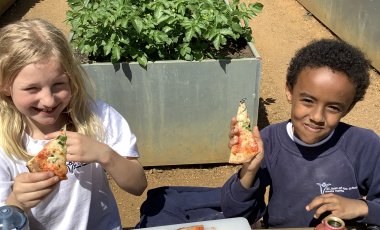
x=334, y=108
x=307, y=100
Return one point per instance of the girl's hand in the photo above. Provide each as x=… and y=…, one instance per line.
x=339, y=206
x=127, y=172
x=29, y=189
x=81, y=148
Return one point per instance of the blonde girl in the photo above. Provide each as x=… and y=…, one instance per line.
x=43, y=88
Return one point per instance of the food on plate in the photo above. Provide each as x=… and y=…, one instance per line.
x=247, y=147
x=52, y=157
x=195, y=227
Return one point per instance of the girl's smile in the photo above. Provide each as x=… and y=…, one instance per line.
x=46, y=110
x=41, y=92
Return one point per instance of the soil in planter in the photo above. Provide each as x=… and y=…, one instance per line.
x=232, y=50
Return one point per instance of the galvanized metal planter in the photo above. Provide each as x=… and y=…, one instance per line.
x=353, y=21
x=180, y=111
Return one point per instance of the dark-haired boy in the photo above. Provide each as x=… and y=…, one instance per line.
x=315, y=164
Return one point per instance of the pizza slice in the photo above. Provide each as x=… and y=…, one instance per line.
x=52, y=157
x=246, y=148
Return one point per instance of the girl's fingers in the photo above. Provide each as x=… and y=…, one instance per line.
x=30, y=182
x=35, y=196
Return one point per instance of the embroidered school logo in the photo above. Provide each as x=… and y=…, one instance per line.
x=327, y=188
x=323, y=186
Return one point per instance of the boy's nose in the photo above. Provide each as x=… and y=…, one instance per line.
x=317, y=115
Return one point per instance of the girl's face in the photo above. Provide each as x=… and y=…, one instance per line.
x=319, y=99
x=41, y=91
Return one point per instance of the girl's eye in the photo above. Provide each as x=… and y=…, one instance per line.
x=31, y=89
x=63, y=83
x=58, y=84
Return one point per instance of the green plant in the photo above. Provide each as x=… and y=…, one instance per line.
x=150, y=30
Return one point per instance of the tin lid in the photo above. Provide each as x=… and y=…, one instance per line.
x=12, y=217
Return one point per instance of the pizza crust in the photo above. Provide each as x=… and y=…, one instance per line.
x=239, y=158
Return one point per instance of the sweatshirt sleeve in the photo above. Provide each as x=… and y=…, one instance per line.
x=373, y=212
x=373, y=195
x=237, y=201
x=367, y=166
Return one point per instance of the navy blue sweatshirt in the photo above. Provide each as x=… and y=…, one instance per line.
x=348, y=164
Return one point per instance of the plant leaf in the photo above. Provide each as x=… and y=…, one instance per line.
x=138, y=24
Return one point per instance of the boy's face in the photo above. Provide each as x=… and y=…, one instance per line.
x=319, y=99
x=41, y=91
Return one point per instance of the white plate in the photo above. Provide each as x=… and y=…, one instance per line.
x=238, y=223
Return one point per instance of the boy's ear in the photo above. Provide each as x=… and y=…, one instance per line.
x=288, y=93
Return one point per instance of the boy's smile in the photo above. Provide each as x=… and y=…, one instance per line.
x=319, y=99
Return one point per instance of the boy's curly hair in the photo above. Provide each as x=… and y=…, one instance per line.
x=336, y=55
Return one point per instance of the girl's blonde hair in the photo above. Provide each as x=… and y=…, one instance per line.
x=29, y=41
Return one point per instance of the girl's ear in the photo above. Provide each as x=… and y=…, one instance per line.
x=6, y=91
x=288, y=93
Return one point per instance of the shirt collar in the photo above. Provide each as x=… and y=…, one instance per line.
x=289, y=129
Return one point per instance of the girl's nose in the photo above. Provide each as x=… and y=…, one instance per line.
x=47, y=98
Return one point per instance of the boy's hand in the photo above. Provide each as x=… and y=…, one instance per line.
x=29, y=189
x=249, y=169
x=339, y=206
x=234, y=133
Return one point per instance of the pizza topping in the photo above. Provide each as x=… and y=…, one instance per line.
x=246, y=125
x=246, y=148
x=52, y=157
x=246, y=143
x=62, y=140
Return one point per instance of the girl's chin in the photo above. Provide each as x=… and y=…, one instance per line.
x=46, y=122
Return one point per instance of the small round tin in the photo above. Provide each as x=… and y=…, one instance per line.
x=331, y=223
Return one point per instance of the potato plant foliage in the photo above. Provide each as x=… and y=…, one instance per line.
x=150, y=30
